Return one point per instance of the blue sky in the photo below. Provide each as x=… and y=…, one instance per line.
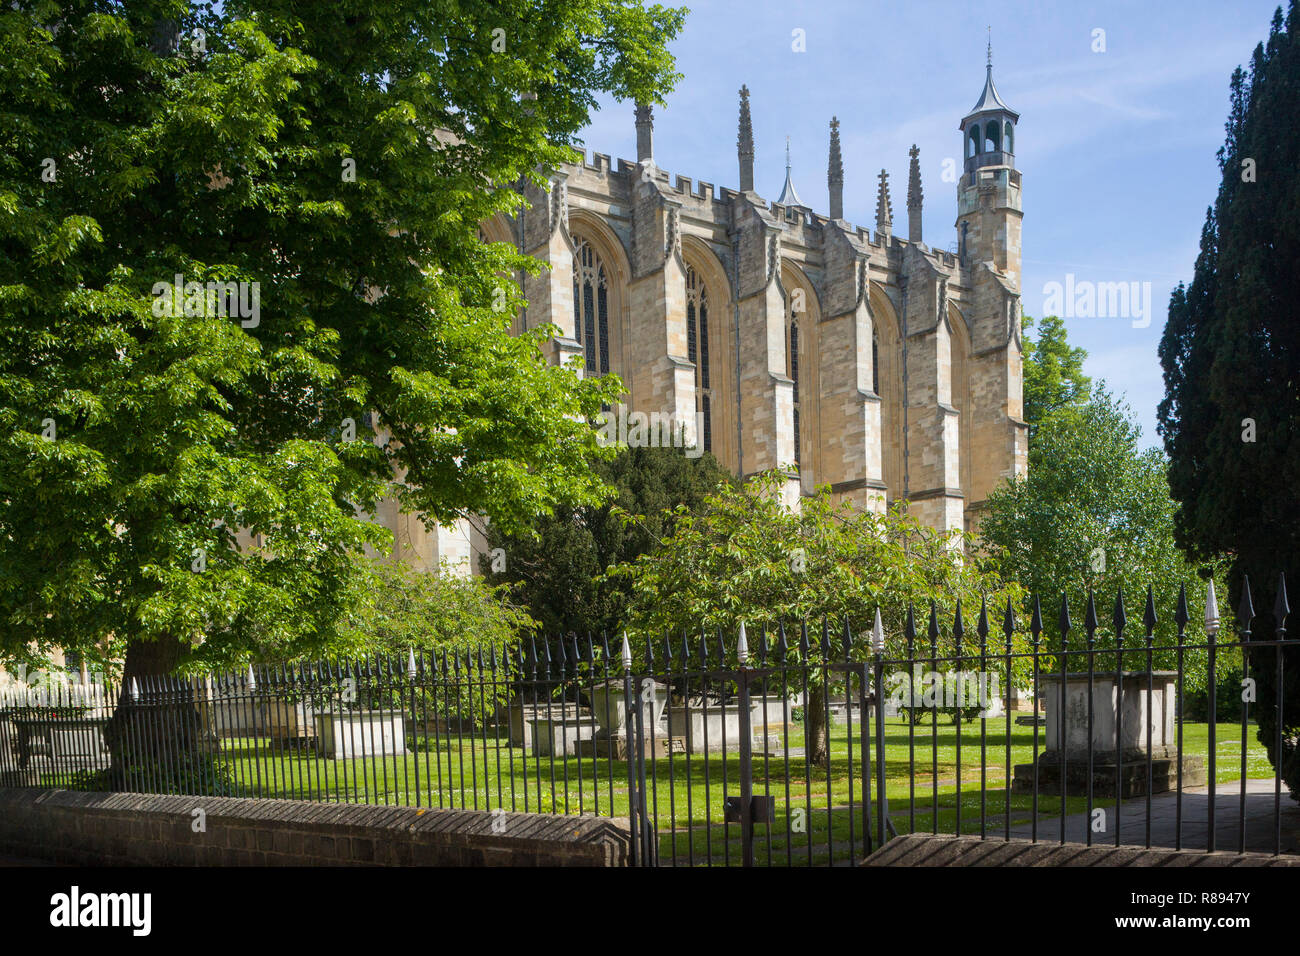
x=1117, y=148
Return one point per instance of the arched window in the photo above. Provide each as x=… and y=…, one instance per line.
x=591, y=307
x=875, y=362
x=1009, y=137
x=992, y=137
x=697, y=350
x=973, y=141
x=793, y=357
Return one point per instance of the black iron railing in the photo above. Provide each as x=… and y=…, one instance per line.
x=810, y=746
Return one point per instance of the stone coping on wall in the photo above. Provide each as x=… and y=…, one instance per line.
x=945, y=850
x=128, y=829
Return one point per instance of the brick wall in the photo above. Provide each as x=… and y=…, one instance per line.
x=123, y=829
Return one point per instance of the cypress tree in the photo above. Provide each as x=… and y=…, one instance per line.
x=1230, y=352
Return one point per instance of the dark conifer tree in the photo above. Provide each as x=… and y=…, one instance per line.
x=1230, y=418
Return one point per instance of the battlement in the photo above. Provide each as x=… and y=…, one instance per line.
x=701, y=192
x=599, y=163
x=795, y=215
x=704, y=194
x=945, y=258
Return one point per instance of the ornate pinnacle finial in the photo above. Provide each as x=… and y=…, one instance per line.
x=914, y=195
x=884, y=208
x=746, y=138
x=835, y=169
x=745, y=143
x=835, y=172
x=990, y=48
x=787, y=154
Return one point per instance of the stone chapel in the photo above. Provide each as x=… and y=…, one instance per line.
x=784, y=338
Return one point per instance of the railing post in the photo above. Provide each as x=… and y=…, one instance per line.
x=1281, y=610
x=629, y=702
x=878, y=668
x=1211, y=632
x=649, y=853
x=746, y=753
x=411, y=675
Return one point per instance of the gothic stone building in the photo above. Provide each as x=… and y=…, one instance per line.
x=873, y=363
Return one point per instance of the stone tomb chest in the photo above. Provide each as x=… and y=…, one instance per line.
x=1132, y=715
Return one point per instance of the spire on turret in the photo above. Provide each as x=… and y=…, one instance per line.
x=745, y=143
x=884, y=208
x=788, y=195
x=835, y=172
x=914, y=195
x=989, y=99
x=989, y=191
x=988, y=130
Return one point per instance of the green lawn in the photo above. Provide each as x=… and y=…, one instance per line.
x=818, y=812
x=481, y=772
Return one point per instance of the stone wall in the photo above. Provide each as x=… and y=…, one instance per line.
x=126, y=829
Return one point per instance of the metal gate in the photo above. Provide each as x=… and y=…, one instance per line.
x=770, y=796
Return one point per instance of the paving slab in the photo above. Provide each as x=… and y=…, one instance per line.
x=1259, y=832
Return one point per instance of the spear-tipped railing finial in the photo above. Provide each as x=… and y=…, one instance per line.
x=1211, y=610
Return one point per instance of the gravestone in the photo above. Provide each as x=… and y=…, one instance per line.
x=563, y=736
x=524, y=713
x=1126, y=715
x=80, y=746
x=610, y=709
x=289, y=722
x=711, y=727
x=367, y=733
x=770, y=715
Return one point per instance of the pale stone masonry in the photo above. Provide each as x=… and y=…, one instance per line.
x=872, y=363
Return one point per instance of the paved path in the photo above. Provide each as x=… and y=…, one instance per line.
x=1195, y=820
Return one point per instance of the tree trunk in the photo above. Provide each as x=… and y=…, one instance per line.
x=816, y=729
x=156, y=736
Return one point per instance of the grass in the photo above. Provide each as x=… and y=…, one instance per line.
x=818, y=811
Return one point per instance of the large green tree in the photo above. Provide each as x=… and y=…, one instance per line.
x=332, y=162
x=1093, y=515
x=1053, y=372
x=559, y=570
x=747, y=557
x=1230, y=417
x=340, y=156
